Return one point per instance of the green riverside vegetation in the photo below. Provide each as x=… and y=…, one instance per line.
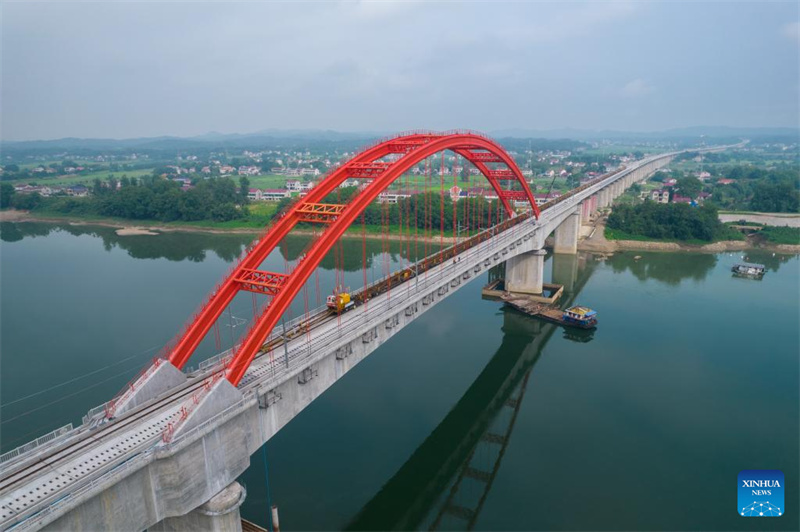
x=220, y=203
x=668, y=221
x=781, y=235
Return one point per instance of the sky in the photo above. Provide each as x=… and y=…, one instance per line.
x=140, y=69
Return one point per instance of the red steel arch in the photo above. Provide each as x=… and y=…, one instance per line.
x=283, y=288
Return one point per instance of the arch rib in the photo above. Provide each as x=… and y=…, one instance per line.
x=366, y=165
x=336, y=228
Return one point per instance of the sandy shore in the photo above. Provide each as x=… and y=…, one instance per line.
x=131, y=231
x=124, y=229
x=12, y=215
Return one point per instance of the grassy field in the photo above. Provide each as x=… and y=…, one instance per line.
x=415, y=182
x=85, y=179
x=267, y=181
x=616, y=234
x=781, y=235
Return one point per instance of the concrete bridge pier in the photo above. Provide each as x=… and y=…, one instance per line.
x=603, y=202
x=220, y=514
x=566, y=234
x=586, y=209
x=589, y=208
x=525, y=272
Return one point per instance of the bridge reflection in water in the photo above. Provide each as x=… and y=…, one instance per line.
x=448, y=478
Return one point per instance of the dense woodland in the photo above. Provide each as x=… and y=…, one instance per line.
x=668, y=221
x=144, y=199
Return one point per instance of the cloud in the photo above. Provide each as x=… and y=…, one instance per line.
x=380, y=9
x=637, y=88
x=791, y=31
x=130, y=69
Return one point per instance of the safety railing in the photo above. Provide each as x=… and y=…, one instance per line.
x=54, y=510
x=31, y=445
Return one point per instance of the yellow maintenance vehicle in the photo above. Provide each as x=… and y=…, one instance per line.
x=340, y=301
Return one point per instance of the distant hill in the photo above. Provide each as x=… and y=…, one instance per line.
x=349, y=141
x=678, y=133
x=210, y=142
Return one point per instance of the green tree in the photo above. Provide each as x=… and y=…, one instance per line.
x=244, y=189
x=6, y=195
x=775, y=197
x=97, y=187
x=689, y=186
x=26, y=202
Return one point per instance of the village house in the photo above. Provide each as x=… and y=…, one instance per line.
x=248, y=170
x=298, y=186
x=702, y=176
x=79, y=191
x=271, y=194
x=34, y=189
x=683, y=199
x=487, y=193
x=660, y=196
x=394, y=196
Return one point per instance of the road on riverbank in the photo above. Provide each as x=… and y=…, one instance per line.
x=766, y=218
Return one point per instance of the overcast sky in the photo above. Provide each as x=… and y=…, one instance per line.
x=122, y=70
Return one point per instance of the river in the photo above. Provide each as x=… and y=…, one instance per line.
x=471, y=416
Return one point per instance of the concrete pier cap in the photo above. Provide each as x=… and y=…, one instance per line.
x=220, y=513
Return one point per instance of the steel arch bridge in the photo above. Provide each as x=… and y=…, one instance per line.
x=401, y=154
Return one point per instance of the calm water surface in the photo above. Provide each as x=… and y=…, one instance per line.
x=473, y=416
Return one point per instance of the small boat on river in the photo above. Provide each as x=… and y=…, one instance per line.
x=744, y=269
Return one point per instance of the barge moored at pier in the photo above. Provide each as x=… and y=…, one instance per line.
x=575, y=316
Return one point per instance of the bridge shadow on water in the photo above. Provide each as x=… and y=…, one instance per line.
x=426, y=488
x=447, y=479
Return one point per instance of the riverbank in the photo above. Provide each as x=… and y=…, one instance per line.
x=126, y=228
x=594, y=242
x=597, y=242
